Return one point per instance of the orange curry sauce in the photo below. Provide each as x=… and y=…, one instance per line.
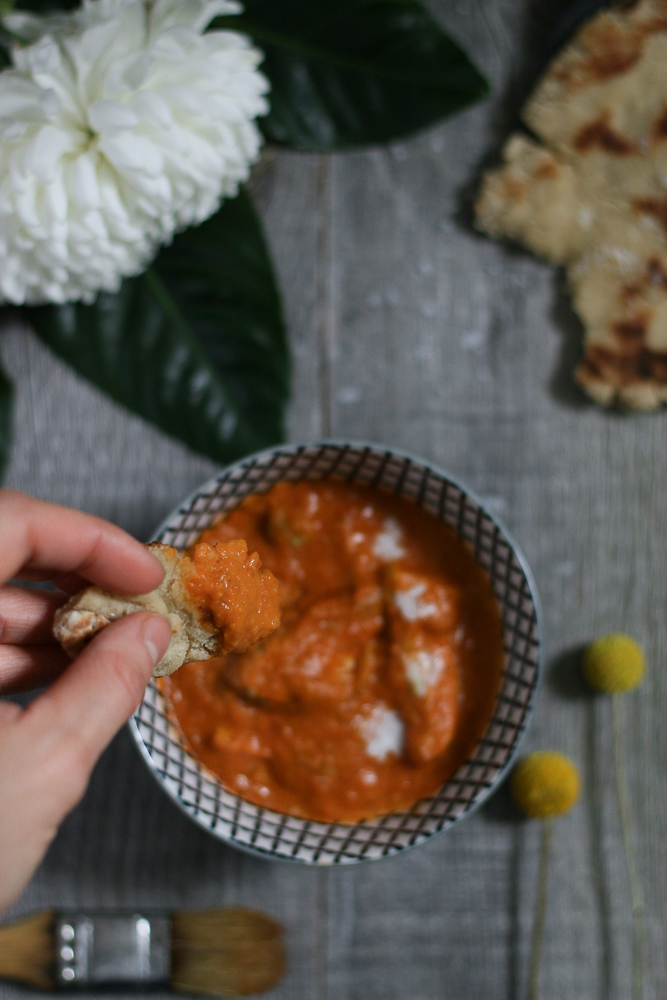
x=241, y=600
x=382, y=676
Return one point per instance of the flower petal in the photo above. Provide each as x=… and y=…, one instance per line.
x=111, y=116
x=84, y=186
x=43, y=155
x=131, y=153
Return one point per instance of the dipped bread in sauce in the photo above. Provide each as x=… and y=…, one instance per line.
x=217, y=597
x=382, y=676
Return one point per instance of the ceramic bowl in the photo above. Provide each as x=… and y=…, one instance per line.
x=273, y=835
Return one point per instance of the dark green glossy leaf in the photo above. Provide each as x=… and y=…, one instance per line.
x=6, y=401
x=45, y=6
x=351, y=72
x=196, y=345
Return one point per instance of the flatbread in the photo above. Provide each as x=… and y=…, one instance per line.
x=592, y=195
x=193, y=638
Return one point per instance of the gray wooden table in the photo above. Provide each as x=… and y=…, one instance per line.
x=409, y=329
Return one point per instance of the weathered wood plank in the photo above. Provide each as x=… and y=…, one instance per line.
x=410, y=329
x=452, y=347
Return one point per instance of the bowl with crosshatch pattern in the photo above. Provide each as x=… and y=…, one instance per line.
x=274, y=835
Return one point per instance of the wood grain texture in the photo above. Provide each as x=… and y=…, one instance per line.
x=408, y=328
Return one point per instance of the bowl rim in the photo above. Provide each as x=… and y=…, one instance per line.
x=501, y=774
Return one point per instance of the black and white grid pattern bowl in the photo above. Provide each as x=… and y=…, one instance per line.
x=274, y=835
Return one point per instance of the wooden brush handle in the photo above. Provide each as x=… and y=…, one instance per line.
x=27, y=951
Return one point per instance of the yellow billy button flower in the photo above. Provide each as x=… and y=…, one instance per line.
x=545, y=784
x=614, y=663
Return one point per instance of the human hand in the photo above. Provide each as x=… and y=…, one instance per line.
x=48, y=750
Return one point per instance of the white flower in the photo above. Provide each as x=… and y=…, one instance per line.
x=120, y=124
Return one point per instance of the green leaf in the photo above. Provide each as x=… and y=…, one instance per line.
x=196, y=345
x=346, y=73
x=46, y=6
x=6, y=406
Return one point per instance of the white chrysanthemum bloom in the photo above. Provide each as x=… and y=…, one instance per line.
x=120, y=124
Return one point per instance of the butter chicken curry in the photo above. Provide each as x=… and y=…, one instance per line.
x=383, y=673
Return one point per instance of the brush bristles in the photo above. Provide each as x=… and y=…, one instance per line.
x=27, y=951
x=225, y=952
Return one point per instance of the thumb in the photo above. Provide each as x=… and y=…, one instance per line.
x=78, y=716
x=48, y=751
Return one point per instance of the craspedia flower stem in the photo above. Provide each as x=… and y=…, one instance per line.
x=540, y=910
x=544, y=785
x=636, y=894
x=613, y=664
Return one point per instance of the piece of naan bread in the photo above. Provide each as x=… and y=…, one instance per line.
x=198, y=632
x=592, y=195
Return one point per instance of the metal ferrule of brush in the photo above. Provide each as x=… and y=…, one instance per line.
x=101, y=949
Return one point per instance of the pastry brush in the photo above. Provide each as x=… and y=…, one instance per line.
x=223, y=952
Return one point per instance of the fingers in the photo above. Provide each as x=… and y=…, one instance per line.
x=29, y=655
x=24, y=668
x=70, y=583
x=26, y=616
x=39, y=537
x=82, y=711
x=48, y=750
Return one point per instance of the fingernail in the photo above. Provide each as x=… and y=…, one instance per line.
x=156, y=637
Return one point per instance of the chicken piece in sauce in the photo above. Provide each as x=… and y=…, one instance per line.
x=424, y=661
